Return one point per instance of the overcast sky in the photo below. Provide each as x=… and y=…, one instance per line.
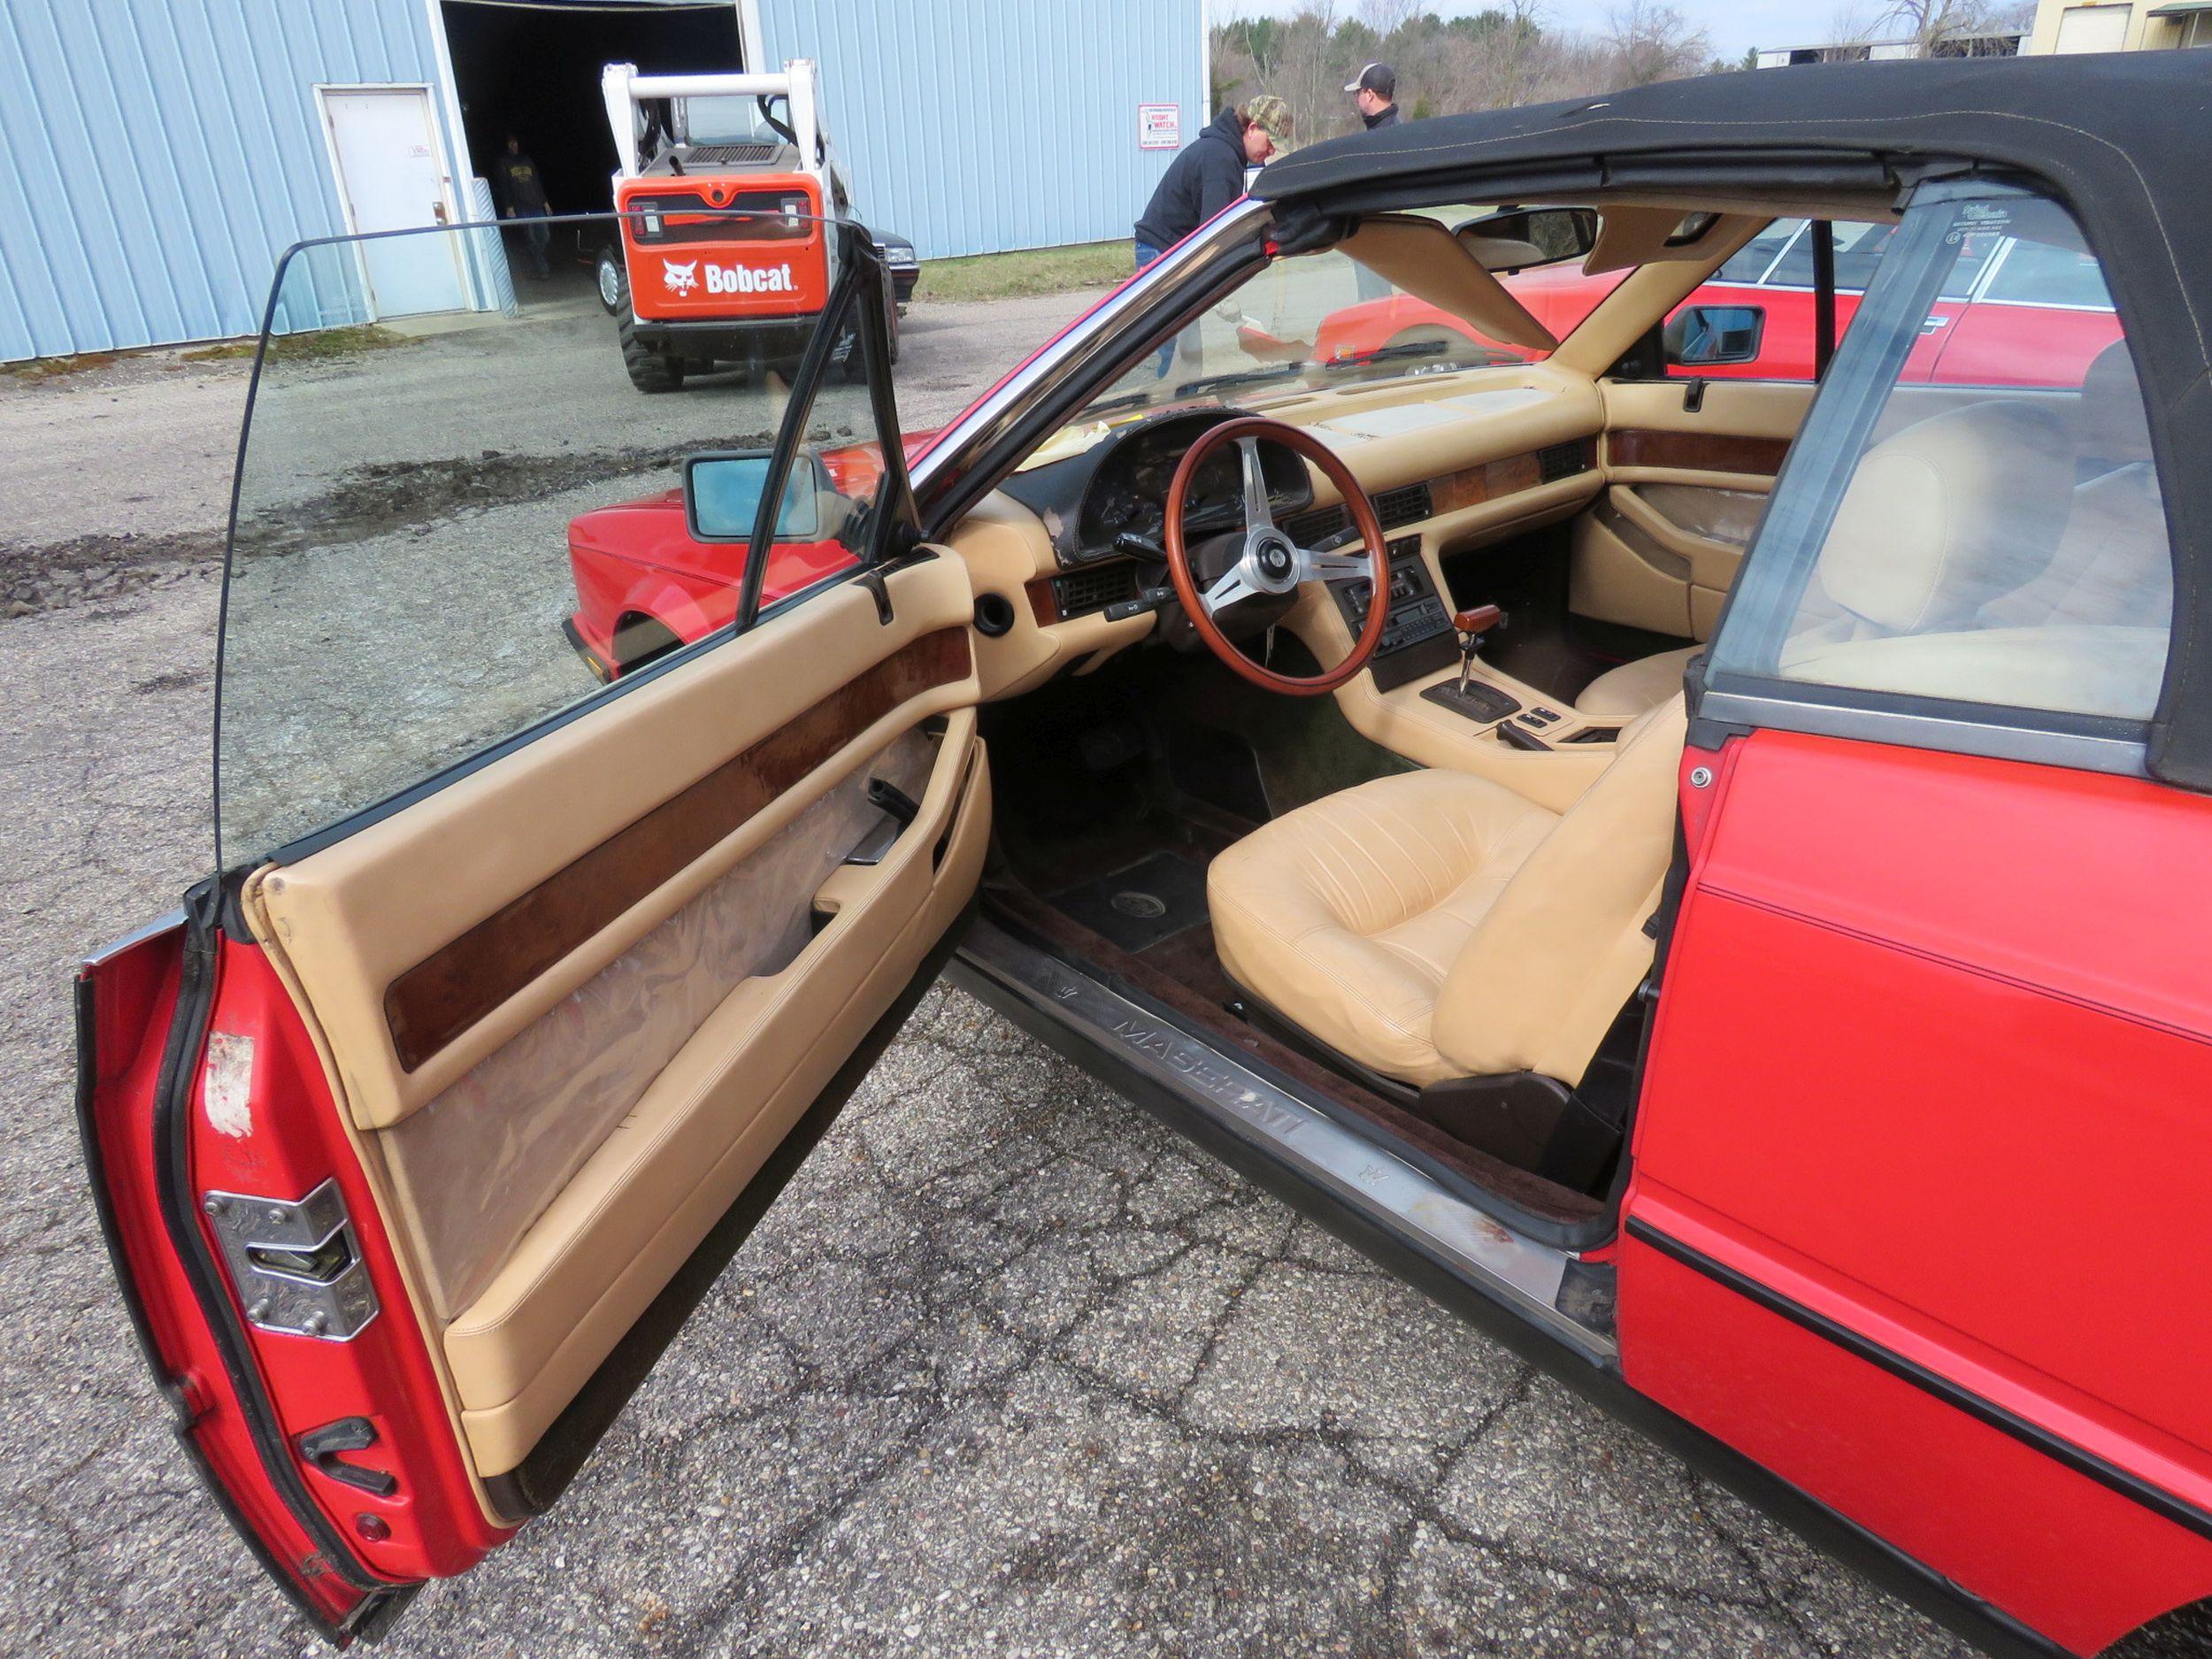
x=1734, y=26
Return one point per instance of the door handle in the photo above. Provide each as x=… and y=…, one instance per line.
x=437, y=212
x=1928, y=325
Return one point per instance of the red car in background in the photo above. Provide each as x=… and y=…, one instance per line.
x=646, y=584
x=1753, y=321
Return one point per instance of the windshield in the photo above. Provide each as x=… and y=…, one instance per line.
x=727, y=120
x=1325, y=319
x=462, y=495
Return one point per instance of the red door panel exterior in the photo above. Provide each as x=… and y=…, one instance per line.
x=1933, y=1062
x=277, y=1136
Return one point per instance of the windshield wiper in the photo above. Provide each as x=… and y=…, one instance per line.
x=1241, y=377
x=1388, y=354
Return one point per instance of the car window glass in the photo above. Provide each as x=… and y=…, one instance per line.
x=454, y=524
x=1994, y=535
x=1750, y=261
x=2038, y=274
x=1858, y=246
x=1322, y=320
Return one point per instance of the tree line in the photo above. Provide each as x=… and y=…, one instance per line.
x=1512, y=53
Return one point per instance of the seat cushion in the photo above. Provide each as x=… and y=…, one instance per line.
x=1347, y=914
x=1637, y=688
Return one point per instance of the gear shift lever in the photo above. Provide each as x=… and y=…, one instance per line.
x=1473, y=624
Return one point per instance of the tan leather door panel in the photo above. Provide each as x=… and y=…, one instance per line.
x=1649, y=554
x=572, y=1001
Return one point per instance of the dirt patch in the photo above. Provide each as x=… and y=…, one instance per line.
x=94, y=567
x=381, y=496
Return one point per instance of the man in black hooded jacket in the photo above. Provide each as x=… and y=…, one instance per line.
x=1209, y=174
x=1204, y=179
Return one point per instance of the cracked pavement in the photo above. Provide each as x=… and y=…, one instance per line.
x=1009, y=1369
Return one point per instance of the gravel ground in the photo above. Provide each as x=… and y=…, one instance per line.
x=1008, y=1370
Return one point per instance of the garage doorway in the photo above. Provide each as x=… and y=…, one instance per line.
x=532, y=69
x=384, y=149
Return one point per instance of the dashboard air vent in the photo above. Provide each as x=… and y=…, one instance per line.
x=1406, y=505
x=1310, y=529
x=1085, y=591
x=1564, y=460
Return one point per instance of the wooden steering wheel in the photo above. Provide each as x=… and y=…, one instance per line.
x=1271, y=564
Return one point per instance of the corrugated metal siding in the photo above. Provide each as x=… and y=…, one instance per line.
x=157, y=156
x=978, y=125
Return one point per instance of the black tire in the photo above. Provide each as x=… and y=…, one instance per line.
x=652, y=368
x=613, y=281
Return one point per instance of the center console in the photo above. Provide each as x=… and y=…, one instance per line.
x=1418, y=636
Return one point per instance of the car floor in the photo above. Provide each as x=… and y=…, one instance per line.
x=1101, y=852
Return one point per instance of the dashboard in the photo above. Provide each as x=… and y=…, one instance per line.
x=1119, y=486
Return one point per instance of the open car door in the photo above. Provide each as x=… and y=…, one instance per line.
x=422, y=1126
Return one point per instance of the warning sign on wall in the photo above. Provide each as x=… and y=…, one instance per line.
x=1159, y=127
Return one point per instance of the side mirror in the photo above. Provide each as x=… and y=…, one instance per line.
x=1523, y=238
x=1702, y=336
x=722, y=496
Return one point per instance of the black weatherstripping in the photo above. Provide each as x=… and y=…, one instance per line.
x=2109, y=1475
x=181, y=1217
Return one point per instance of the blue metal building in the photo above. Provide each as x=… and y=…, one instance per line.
x=157, y=156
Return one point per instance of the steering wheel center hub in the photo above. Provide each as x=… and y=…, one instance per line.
x=1270, y=560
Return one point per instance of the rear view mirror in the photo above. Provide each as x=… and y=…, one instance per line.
x=722, y=496
x=1522, y=238
x=1699, y=336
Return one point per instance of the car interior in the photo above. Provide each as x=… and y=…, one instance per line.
x=1422, y=884
x=1429, y=893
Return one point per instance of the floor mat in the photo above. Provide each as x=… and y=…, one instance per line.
x=1138, y=907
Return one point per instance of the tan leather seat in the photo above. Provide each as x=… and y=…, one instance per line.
x=1631, y=689
x=1436, y=925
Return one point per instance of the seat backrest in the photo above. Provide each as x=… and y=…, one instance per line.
x=1946, y=514
x=1552, y=962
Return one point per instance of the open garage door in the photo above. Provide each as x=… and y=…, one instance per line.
x=529, y=69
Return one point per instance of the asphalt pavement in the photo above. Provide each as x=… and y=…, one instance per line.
x=1008, y=1370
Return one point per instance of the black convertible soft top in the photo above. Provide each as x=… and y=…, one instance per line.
x=2124, y=139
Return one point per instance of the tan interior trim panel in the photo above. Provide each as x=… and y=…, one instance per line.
x=451, y=989
x=585, y=1270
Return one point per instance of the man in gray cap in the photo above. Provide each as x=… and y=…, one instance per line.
x=1375, y=95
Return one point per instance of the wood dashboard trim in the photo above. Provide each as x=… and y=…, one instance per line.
x=1697, y=452
x=439, y=998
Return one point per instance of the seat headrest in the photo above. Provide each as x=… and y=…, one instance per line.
x=2111, y=425
x=1949, y=513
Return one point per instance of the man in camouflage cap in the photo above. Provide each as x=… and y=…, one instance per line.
x=1272, y=115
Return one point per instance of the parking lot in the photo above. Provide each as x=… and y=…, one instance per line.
x=1008, y=1370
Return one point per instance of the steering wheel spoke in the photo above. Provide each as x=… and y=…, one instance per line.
x=1333, y=566
x=1257, y=514
x=1232, y=587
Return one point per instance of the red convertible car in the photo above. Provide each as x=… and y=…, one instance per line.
x=1767, y=985
x=1754, y=318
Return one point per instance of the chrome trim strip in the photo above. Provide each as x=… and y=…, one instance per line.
x=2125, y=757
x=1516, y=1272
x=139, y=935
x=1232, y=227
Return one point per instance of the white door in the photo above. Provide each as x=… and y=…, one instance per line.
x=385, y=146
x=2092, y=29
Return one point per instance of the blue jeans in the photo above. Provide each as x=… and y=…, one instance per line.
x=539, y=235
x=1146, y=254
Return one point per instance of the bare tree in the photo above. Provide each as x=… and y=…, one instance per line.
x=1653, y=42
